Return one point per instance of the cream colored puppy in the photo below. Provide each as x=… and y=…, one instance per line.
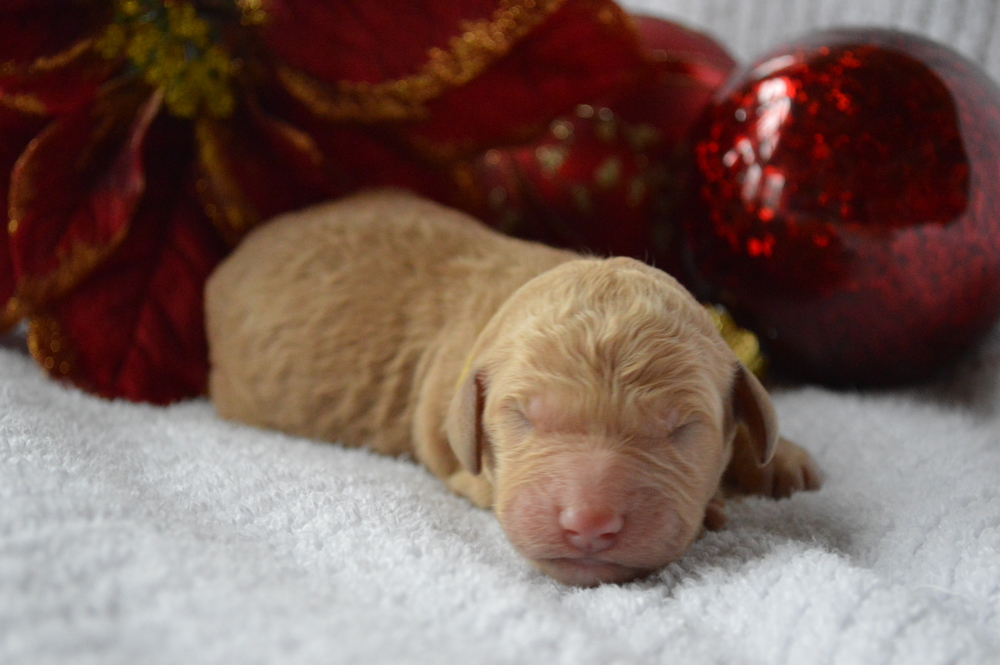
x=590, y=402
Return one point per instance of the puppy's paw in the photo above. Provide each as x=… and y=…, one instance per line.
x=792, y=469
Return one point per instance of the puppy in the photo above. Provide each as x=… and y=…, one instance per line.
x=591, y=402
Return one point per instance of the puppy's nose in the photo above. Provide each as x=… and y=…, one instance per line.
x=591, y=530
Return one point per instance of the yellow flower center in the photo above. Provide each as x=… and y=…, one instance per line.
x=172, y=47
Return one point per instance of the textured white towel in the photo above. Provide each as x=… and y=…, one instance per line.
x=135, y=534
x=749, y=27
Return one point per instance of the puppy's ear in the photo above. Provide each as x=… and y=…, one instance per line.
x=464, y=422
x=752, y=406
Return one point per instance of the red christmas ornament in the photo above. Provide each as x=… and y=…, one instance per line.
x=597, y=178
x=590, y=183
x=845, y=205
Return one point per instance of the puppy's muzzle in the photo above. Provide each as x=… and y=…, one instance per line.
x=591, y=530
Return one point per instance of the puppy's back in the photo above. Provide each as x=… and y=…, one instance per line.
x=323, y=322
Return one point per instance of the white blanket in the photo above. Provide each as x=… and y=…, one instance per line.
x=136, y=534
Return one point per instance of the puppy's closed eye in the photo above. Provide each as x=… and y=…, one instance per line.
x=668, y=437
x=515, y=417
x=669, y=428
x=685, y=434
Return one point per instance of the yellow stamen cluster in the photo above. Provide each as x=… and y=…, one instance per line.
x=171, y=45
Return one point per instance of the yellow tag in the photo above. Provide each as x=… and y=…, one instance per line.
x=743, y=342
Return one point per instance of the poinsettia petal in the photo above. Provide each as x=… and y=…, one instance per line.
x=369, y=41
x=585, y=49
x=27, y=5
x=498, y=80
x=74, y=190
x=376, y=84
x=253, y=167
x=135, y=327
x=59, y=91
x=48, y=60
x=37, y=31
x=16, y=130
x=358, y=156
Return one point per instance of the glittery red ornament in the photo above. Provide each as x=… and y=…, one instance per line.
x=845, y=203
x=590, y=183
x=596, y=179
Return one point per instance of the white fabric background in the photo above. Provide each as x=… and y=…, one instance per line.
x=749, y=27
x=136, y=534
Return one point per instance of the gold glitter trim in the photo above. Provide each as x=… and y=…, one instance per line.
x=73, y=268
x=251, y=12
x=481, y=43
x=47, y=63
x=11, y=314
x=24, y=103
x=49, y=346
x=220, y=194
x=743, y=342
x=301, y=140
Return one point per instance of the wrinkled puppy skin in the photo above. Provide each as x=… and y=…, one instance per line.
x=591, y=402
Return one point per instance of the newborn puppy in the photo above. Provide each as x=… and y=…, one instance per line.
x=591, y=402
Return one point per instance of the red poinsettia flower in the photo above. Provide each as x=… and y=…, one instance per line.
x=140, y=139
